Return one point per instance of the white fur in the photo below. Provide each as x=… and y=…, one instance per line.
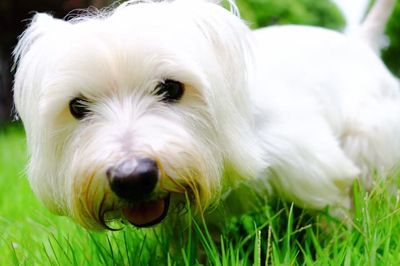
x=372, y=30
x=303, y=109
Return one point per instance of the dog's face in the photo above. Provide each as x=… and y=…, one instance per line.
x=126, y=110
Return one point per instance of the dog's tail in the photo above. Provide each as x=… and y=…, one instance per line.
x=372, y=29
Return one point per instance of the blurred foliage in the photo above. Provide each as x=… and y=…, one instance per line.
x=391, y=55
x=309, y=12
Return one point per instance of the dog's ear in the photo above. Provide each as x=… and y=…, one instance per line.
x=41, y=24
x=231, y=43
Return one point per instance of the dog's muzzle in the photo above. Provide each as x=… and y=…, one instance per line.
x=134, y=181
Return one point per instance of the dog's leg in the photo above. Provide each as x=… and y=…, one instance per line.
x=308, y=165
x=371, y=138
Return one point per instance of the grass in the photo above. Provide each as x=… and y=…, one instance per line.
x=279, y=234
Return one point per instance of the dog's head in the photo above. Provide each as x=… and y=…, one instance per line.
x=124, y=110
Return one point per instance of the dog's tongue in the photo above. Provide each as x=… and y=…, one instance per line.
x=146, y=214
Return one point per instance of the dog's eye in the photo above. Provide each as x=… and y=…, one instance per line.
x=170, y=90
x=78, y=108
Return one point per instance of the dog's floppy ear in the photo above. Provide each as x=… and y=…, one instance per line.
x=231, y=41
x=41, y=24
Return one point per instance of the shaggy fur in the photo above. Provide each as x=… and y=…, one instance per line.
x=298, y=110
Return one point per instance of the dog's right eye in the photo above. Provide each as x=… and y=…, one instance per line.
x=170, y=90
x=78, y=108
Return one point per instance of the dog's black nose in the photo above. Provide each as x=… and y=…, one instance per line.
x=133, y=180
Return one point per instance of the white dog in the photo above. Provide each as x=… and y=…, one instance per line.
x=129, y=109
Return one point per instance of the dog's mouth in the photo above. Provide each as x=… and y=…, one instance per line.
x=147, y=213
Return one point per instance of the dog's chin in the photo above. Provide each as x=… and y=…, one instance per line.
x=147, y=213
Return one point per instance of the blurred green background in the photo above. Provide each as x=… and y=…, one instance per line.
x=309, y=12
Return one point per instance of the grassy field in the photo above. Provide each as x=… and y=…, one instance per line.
x=279, y=235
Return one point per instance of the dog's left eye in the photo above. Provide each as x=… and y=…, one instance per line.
x=170, y=90
x=79, y=108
